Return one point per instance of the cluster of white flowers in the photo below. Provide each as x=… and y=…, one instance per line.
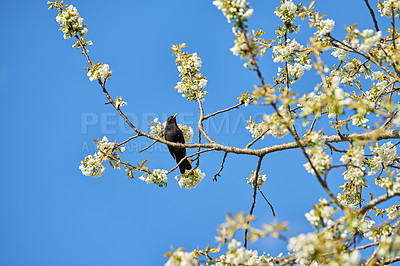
x=284, y=53
x=187, y=132
x=363, y=107
x=255, y=129
x=234, y=9
x=370, y=40
x=322, y=214
x=354, y=158
x=384, y=156
x=191, y=178
x=296, y=70
x=241, y=48
x=333, y=98
x=238, y=255
x=381, y=88
x=260, y=181
x=341, y=54
x=393, y=212
x=92, y=165
x=106, y=148
x=387, y=7
x=158, y=177
x=304, y=247
x=376, y=75
x=312, y=103
x=193, y=82
x=338, y=98
x=319, y=159
x=244, y=98
x=324, y=27
x=374, y=233
x=348, y=259
x=182, y=258
x=389, y=245
x=99, y=72
x=157, y=130
x=119, y=102
x=71, y=23
x=348, y=72
x=286, y=11
x=392, y=185
x=278, y=125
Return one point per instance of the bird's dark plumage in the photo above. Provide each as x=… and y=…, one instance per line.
x=174, y=134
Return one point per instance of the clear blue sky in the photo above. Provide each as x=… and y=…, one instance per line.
x=53, y=215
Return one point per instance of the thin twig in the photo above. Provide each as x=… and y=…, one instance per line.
x=254, y=198
x=270, y=205
x=200, y=123
x=220, y=169
x=392, y=260
x=129, y=139
x=222, y=111
x=154, y=142
x=187, y=156
x=257, y=139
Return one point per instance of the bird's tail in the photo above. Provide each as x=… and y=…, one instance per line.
x=185, y=165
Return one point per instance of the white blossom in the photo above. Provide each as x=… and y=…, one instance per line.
x=341, y=54
x=354, y=157
x=238, y=255
x=389, y=245
x=255, y=129
x=106, y=148
x=234, y=9
x=158, y=177
x=100, y=72
x=241, y=48
x=376, y=75
x=392, y=212
x=187, y=132
x=92, y=166
x=296, y=70
x=181, y=258
x=260, y=180
x=384, y=156
x=304, y=247
x=324, y=27
x=388, y=6
x=156, y=128
x=71, y=23
x=119, y=102
x=191, y=178
x=319, y=159
x=278, y=125
x=192, y=81
x=286, y=11
x=283, y=53
x=322, y=212
x=369, y=40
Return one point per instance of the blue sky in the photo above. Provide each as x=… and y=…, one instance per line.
x=53, y=215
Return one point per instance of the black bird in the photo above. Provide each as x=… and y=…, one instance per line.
x=173, y=133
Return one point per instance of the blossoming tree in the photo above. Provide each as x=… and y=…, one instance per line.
x=355, y=104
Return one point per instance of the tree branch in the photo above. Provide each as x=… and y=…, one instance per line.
x=254, y=197
x=372, y=15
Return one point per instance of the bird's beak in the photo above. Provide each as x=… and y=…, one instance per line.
x=175, y=115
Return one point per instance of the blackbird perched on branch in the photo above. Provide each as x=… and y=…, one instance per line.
x=174, y=134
